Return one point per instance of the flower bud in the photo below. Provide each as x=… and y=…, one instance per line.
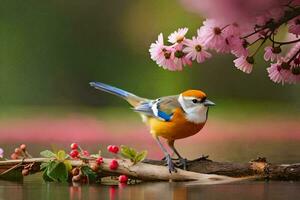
x=296, y=70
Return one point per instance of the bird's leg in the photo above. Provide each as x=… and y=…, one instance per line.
x=182, y=161
x=168, y=158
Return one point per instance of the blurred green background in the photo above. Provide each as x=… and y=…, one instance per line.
x=50, y=50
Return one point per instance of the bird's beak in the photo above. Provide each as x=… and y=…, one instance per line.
x=208, y=103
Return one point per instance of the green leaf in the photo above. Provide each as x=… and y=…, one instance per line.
x=128, y=152
x=48, y=154
x=140, y=156
x=44, y=165
x=57, y=171
x=46, y=177
x=87, y=171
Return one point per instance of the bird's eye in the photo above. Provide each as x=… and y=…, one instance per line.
x=195, y=100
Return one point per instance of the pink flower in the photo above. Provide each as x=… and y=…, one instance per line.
x=195, y=50
x=211, y=34
x=239, y=47
x=230, y=43
x=178, y=36
x=180, y=58
x=294, y=26
x=162, y=54
x=167, y=60
x=244, y=64
x=156, y=49
x=232, y=30
x=272, y=53
x=276, y=73
x=290, y=77
x=283, y=72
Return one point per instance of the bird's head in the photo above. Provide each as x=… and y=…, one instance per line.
x=195, y=104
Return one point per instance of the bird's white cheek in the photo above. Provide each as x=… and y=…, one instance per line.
x=197, y=115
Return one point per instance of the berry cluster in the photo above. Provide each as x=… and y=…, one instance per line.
x=77, y=152
x=20, y=153
x=241, y=39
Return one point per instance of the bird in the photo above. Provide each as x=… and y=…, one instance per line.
x=170, y=117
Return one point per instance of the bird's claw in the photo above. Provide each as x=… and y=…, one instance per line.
x=182, y=163
x=164, y=158
x=170, y=164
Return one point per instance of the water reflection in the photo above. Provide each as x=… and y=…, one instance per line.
x=35, y=189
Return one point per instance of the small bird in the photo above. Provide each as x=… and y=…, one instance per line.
x=170, y=117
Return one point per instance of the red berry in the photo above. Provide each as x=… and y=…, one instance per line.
x=74, y=146
x=113, y=148
x=86, y=153
x=99, y=160
x=109, y=148
x=74, y=153
x=123, y=179
x=113, y=165
x=23, y=147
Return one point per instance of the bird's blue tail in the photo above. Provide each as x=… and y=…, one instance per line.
x=131, y=98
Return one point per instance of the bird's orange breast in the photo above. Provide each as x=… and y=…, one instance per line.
x=175, y=129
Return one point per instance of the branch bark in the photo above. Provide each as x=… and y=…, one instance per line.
x=203, y=171
x=259, y=167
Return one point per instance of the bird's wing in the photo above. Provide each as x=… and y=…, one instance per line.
x=161, y=108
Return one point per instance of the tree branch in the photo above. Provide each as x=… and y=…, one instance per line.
x=203, y=171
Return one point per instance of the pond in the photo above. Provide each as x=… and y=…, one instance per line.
x=35, y=189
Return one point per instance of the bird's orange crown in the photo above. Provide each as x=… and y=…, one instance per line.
x=194, y=93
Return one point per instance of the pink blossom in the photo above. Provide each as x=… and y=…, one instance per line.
x=180, y=58
x=290, y=77
x=156, y=49
x=294, y=26
x=228, y=11
x=211, y=34
x=239, y=47
x=272, y=53
x=162, y=54
x=232, y=30
x=276, y=73
x=230, y=43
x=167, y=60
x=195, y=50
x=178, y=36
x=244, y=64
